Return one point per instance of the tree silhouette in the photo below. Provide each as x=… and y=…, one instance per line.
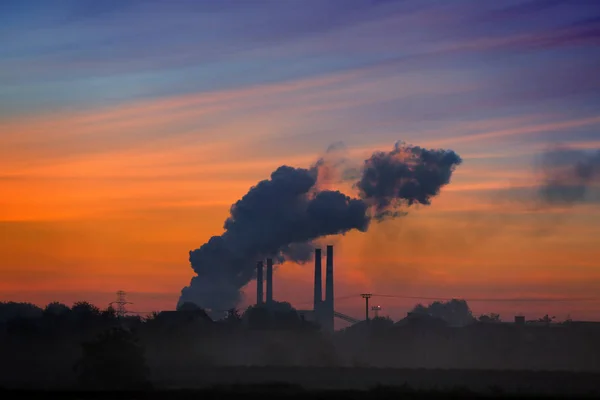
x=83, y=310
x=381, y=323
x=115, y=360
x=11, y=309
x=233, y=316
x=547, y=319
x=152, y=316
x=84, y=314
x=56, y=309
x=24, y=328
x=278, y=315
x=489, y=318
x=110, y=313
x=188, y=307
x=455, y=311
x=257, y=317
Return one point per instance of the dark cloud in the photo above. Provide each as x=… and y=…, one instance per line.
x=405, y=176
x=281, y=216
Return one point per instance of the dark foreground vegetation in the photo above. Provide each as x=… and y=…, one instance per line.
x=84, y=348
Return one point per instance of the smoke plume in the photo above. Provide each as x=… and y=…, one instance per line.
x=405, y=176
x=569, y=173
x=282, y=215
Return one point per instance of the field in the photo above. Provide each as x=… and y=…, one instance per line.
x=481, y=381
x=349, y=383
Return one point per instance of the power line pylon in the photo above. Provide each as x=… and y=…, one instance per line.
x=366, y=296
x=121, y=302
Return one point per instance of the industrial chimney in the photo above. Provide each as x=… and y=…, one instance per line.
x=318, y=283
x=269, y=281
x=259, y=283
x=328, y=306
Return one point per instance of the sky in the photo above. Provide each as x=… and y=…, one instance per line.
x=128, y=128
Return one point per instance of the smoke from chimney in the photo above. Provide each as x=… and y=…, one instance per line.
x=281, y=216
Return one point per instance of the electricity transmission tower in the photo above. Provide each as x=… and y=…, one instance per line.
x=121, y=302
x=366, y=296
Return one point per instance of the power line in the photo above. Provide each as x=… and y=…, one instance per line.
x=492, y=299
x=471, y=299
x=395, y=296
x=355, y=295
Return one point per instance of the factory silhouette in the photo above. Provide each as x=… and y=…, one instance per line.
x=323, y=311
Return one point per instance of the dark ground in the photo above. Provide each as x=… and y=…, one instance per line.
x=279, y=391
x=548, y=382
x=352, y=383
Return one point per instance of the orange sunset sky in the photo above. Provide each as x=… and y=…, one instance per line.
x=128, y=129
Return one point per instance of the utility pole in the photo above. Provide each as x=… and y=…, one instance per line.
x=120, y=302
x=366, y=296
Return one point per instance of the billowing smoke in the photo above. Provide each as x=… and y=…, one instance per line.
x=278, y=218
x=568, y=173
x=281, y=216
x=405, y=176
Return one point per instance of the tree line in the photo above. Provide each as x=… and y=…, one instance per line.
x=93, y=347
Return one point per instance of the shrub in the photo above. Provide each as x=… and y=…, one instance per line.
x=115, y=360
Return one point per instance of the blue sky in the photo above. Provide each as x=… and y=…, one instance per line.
x=80, y=53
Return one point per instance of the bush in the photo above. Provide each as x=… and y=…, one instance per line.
x=114, y=360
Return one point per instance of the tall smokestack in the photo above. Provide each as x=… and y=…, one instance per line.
x=269, y=281
x=318, y=282
x=328, y=312
x=259, y=282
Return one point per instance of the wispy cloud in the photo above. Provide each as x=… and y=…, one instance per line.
x=562, y=126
